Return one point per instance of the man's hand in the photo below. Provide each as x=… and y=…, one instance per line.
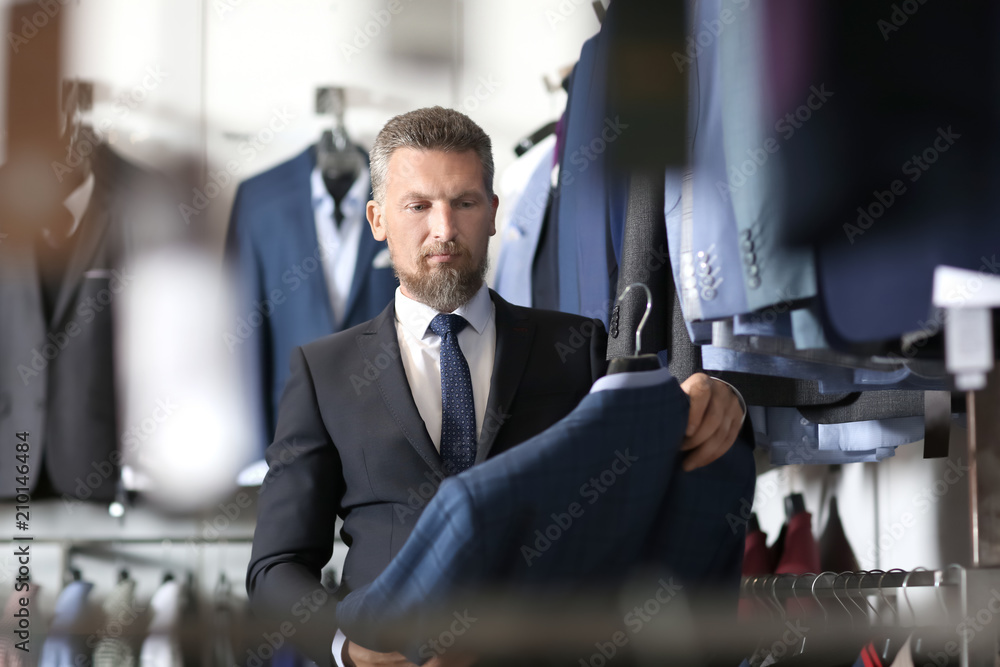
x=713, y=423
x=359, y=656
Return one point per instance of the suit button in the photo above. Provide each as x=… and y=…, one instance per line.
x=749, y=258
x=708, y=281
x=704, y=269
x=747, y=245
x=707, y=293
x=753, y=282
x=746, y=234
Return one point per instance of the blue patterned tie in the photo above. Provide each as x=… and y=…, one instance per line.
x=458, y=411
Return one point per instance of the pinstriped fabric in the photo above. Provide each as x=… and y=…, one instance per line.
x=458, y=409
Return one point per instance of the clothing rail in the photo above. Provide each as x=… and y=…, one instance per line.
x=834, y=584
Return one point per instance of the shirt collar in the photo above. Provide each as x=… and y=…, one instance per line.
x=78, y=200
x=354, y=201
x=416, y=317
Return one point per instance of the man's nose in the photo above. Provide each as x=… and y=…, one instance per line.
x=443, y=223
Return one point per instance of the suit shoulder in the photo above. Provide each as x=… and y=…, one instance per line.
x=553, y=319
x=278, y=179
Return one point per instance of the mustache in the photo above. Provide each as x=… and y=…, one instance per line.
x=444, y=248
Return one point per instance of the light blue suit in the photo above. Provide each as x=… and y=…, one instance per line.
x=520, y=237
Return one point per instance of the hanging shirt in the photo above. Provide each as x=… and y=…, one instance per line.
x=338, y=245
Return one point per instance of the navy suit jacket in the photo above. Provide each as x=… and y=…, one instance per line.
x=285, y=302
x=585, y=504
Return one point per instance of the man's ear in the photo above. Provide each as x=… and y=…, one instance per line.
x=494, y=203
x=375, y=220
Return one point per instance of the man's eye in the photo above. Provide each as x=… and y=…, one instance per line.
x=467, y=204
x=417, y=207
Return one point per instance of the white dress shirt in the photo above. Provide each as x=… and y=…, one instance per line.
x=339, y=246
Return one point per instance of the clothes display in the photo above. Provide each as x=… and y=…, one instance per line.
x=57, y=335
x=699, y=292
x=292, y=265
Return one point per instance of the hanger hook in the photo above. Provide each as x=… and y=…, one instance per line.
x=854, y=601
x=881, y=592
x=645, y=315
x=812, y=589
x=833, y=587
x=795, y=595
x=774, y=595
x=906, y=597
x=963, y=585
x=865, y=597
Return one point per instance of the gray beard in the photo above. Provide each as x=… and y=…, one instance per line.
x=446, y=288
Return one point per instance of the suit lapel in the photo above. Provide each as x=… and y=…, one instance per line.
x=92, y=231
x=379, y=339
x=514, y=337
x=301, y=208
x=367, y=248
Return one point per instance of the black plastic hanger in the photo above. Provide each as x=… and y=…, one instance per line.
x=638, y=362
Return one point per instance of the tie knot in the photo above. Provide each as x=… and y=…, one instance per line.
x=448, y=323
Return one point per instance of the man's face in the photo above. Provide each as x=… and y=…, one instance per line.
x=438, y=219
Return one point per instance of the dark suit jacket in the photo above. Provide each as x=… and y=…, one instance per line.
x=351, y=443
x=285, y=302
x=56, y=376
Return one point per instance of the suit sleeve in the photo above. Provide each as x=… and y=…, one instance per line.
x=245, y=265
x=296, y=520
x=415, y=591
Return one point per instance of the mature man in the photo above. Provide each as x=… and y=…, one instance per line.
x=375, y=417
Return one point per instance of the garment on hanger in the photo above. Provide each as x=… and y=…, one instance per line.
x=461, y=541
x=789, y=437
x=65, y=647
x=522, y=226
x=119, y=608
x=161, y=647
x=291, y=262
x=57, y=337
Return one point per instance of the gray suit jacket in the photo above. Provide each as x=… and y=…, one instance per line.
x=57, y=376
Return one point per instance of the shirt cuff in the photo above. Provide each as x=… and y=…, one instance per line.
x=739, y=397
x=338, y=648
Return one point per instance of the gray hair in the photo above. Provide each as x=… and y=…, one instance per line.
x=431, y=128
